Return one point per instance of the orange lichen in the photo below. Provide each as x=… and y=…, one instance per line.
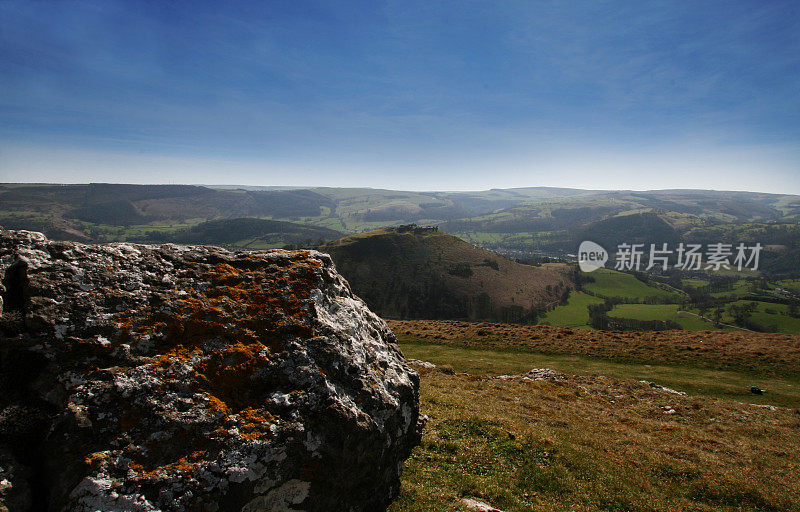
x=256, y=423
x=217, y=405
x=251, y=308
x=261, y=298
x=184, y=466
x=95, y=459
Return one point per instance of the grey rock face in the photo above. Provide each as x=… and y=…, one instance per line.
x=173, y=378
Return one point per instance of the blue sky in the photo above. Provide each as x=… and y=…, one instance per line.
x=406, y=95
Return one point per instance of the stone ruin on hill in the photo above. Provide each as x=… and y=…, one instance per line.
x=174, y=378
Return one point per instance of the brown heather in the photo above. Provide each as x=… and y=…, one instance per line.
x=773, y=354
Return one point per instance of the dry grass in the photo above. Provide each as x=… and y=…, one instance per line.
x=597, y=444
x=768, y=354
x=732, y=385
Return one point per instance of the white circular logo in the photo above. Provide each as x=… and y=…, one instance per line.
x=591, y=256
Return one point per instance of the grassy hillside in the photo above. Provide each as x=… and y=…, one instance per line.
x=595, y=436
x=413, y=272
x=759, y=353
x=632, y=228
x=246, y=233
x=594, y=443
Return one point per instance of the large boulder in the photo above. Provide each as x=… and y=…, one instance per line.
x=165, y=377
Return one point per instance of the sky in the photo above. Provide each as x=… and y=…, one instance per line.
x=411, y=95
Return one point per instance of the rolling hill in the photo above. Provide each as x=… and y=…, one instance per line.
x=247, y=233
x=95, y=211
x=519, y=222
x=420, y=272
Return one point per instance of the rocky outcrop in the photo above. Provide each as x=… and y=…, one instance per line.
x=139, y=378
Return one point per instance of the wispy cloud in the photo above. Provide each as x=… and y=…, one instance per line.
x=413, y=88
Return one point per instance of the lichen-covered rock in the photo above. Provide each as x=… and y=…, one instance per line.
x=163, y=377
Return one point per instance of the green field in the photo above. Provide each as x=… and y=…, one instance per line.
x=661, y=312
x=532, y=240
x=574, y=313
x=610, y=283
x=769, y=315
x=695, y=283
x=773, y=317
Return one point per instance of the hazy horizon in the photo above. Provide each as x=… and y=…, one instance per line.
x=421, y=190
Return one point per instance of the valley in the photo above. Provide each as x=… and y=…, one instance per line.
x=532, y=234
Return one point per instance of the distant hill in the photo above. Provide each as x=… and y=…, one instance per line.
x=420, y=272
x=85, y=210
x=523, y=222
x=635, y=228
x=247, y=233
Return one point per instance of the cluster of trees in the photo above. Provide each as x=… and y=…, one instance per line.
x=463, y=269
x=717, y=285
x=741, y=314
